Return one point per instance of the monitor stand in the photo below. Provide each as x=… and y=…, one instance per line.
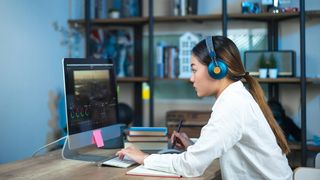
x=67, y=153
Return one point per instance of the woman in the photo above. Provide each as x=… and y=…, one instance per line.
x=241, y=131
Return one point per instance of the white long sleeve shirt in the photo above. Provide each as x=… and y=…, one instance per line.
x=237, y=133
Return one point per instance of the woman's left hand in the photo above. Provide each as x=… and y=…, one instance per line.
x=133, y=153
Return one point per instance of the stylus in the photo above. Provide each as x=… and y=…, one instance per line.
x=175, y=138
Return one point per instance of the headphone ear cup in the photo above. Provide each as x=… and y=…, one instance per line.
x=218, y=72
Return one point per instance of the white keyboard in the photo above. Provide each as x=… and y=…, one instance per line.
x=116, y=162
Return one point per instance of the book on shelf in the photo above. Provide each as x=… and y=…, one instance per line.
x=171, y=62
x=159, y=56
x=146, y=138
x=167, y=61
x=142, y=171
x=159, y=145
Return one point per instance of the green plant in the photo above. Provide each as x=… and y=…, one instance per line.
x=111, y=10
x=272, y=61
x=262, y=62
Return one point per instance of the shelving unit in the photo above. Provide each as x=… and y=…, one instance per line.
x=272, y=21
x=138, y=23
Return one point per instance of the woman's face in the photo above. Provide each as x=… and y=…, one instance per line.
x=202, y=82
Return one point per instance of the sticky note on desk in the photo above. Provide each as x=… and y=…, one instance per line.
x=97, y=138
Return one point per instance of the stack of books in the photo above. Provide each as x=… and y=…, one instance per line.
x=147, y=138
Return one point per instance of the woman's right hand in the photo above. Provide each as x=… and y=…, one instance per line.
x=182, y=140
x=133, y=153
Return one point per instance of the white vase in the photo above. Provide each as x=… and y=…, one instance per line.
x=114, y=14
x=273, y=73
x=263, y=72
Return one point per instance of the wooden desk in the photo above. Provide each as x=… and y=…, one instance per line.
x=52, y=166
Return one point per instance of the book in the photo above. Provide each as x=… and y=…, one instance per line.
x=156, y=129
x=146, y=138
x=159, y=56
x=148, y=131
x=142, y=171
x=147, y=145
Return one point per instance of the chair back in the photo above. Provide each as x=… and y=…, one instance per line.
x=303, y=173
x=317, y=161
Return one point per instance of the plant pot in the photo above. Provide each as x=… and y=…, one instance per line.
x=263, y=72
x=273, y=73
x=114, y=14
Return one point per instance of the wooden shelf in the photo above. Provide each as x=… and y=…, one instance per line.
x=263, y=16
x=261, y=80
x=287, y=80
x=194, y=18
x=132, y=79
x=272, y=16
x=130, y=21
x=256, y=17
x=296, y=146
x=144, y=20
x=172, y=79
x=120, y=21
x=313, y=14
x=188, y=18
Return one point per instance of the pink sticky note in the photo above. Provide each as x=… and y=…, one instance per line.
x=97, y=138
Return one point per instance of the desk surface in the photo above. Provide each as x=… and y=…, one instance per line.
x=52, y=166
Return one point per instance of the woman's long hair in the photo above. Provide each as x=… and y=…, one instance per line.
x=225, y=49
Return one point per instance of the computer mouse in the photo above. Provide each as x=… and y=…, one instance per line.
x=169, y=151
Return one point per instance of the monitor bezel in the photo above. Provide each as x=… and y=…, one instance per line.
x=84, y=61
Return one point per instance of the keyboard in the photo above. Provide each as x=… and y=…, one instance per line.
x=117, y=162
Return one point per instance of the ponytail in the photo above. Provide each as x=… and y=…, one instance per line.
x=258, y=95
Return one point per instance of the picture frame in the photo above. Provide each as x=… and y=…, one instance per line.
x=285, y=60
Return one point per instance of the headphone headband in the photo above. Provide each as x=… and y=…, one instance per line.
x=210, y=48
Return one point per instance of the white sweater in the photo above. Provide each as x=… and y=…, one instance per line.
x=237, y=133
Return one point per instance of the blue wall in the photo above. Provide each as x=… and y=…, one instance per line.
x=30, y=67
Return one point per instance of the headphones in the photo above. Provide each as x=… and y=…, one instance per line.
x=217, y=69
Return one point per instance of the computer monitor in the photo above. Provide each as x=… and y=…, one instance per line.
x=91, y=103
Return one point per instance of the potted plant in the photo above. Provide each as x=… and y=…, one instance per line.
x=273, y=70
x=114, y=13
x=263, y=66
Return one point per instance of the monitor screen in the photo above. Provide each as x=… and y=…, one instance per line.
x=91, y=97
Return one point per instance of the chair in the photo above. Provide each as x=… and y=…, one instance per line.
x=317, y=161
x=303, y=173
